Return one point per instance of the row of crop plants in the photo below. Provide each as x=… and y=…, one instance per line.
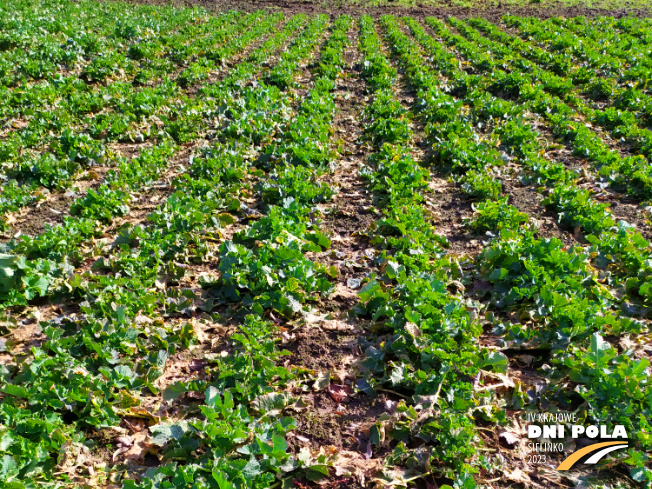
x=73, y=133
x=91, y=370
x=621, y=59
x=98, y=208
x=625, y=113
x=45, y=41
x=567, y=303
x=427, y=343
x=71, y=99
x=96, y=366
x=263, y=270
x=627, y=174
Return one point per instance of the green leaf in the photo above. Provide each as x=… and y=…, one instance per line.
x=8, y=468
x=252, y=469
x=364, y=386
x=641, y=474
x=269, y=402
x=498, y=274
x=163, y=433
x=496, y=361
x=35, y=284
x=222, y=481
x=599, y=350
x=173, y=391
x=212, y=395
x=316, y=472
x=393, y=270
x=279, y=443
x=16, y=391
x=397, y=375
x=369, y=290
x=9, y=263
x=320, y=239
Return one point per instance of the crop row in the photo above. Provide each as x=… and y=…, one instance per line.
x=262, y=269
x=630, y=174
x=101, y=361
x=617, y=57
x=558, y=289
x=624, y=116
x=102, y=43
x=427, y=345
x=76, y=137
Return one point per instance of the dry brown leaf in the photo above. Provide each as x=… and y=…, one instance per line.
x=341, y=290
x=356, y=465
x=344, y=371
x=299, y=438
x=197, y=365
x=118, y=452
x=504, y=380
x=509, y=439
x=125, y=441
x=137, y=424
x=322, y=381
x=517, y=475
x=327, y=324
x=368, y=453
x=136, y=453
x=339, y=393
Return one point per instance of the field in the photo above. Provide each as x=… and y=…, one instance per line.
x=278, y=249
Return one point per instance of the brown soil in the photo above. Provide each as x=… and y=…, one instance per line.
x=551, y=9
x=317, y=350
x=560, y=154
x=328, y=342
x=349, y=215
x=527, y=200
x=32, y=220
x=343, y=425
x=622, y=209
x=453, y=207
x=22, y=337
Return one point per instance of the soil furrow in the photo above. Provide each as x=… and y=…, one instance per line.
x=328, y=341
x=32, y=219
x=454, y=207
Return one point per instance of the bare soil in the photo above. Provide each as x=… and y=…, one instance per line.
x=544, y=11
x=33, y=219
x=527, y=200
x=329, y=341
